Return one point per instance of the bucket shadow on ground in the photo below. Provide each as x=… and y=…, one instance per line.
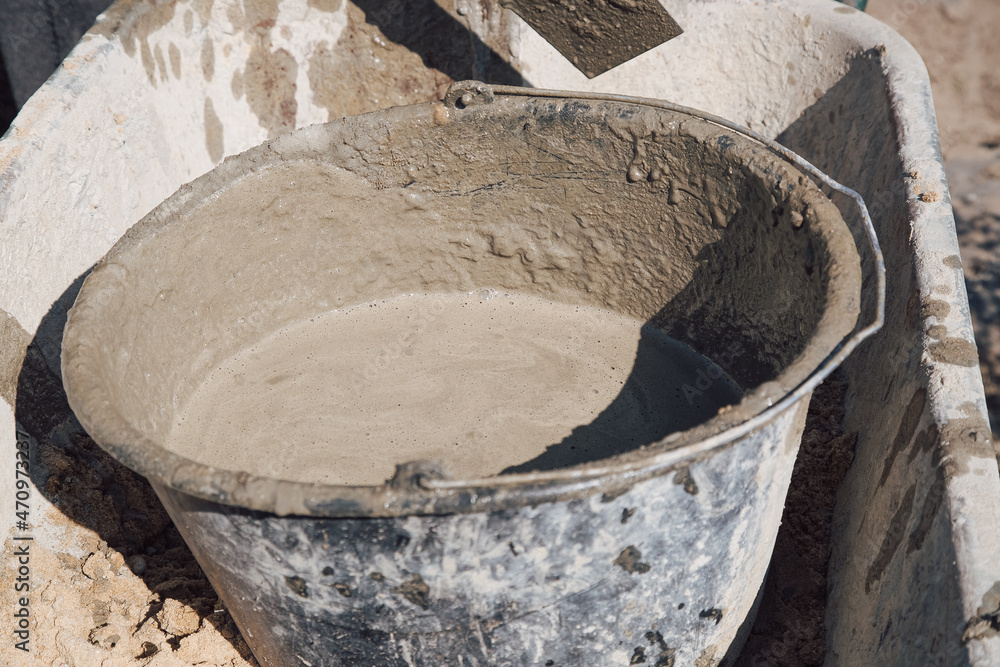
x=93, y=490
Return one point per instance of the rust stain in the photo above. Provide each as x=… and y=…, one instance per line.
x=268, y=79
x=269, y=87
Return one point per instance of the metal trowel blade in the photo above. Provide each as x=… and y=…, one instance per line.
x=596, y=35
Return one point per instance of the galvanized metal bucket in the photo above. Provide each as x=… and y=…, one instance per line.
x=653, y=555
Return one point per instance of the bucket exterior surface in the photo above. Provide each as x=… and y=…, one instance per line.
x=666, y=572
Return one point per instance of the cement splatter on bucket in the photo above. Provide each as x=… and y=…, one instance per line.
x=596, y=549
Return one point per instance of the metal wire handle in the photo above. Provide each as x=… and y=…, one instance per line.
x=465, y=93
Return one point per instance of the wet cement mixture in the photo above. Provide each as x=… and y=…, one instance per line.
x=466, y=380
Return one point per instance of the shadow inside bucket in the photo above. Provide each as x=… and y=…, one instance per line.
x=93, y=490
x=655, y=401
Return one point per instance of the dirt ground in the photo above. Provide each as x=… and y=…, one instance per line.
x=128, y=592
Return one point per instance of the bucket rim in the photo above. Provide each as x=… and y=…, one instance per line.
x=421, y=487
